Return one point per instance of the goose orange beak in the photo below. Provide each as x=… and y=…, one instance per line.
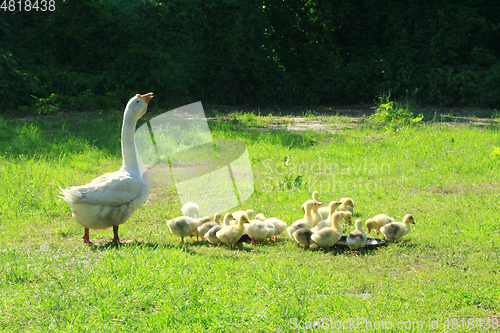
x=146, y=97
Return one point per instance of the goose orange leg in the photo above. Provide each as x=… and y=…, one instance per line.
x=116, y=239
x=85, y=237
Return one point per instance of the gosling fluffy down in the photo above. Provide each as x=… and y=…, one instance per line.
x=357, y=238
x=395, y=230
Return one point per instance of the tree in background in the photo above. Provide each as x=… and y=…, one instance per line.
x=93, y=54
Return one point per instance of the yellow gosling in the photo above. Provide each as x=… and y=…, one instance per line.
x=395, y=230
x=357, y=238
x=377, y=222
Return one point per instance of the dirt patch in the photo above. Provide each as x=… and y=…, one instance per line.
x=358, y=110
x=162, y=194
x=334, y=118
x=418, y=267
x=462, y=189
x=298, y=124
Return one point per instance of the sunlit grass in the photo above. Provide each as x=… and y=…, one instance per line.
x=447, y=267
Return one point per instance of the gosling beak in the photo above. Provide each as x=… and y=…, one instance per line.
x=146, y=97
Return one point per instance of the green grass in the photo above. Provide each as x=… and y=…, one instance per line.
x=448, y=267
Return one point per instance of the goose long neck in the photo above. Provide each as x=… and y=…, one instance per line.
x=128, y=145
x=331, y=213
x=407, y=225
x=336, y=223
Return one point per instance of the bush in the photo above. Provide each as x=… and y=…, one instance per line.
x=92, y=54
x=388, y=111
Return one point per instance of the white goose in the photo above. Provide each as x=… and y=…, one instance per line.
x=279, y=226
x=110, y=199
x=346, y=205
x=303, y=237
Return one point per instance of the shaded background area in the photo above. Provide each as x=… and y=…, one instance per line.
x=91, y=55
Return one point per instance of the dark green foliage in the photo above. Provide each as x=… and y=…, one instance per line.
x=96, y=54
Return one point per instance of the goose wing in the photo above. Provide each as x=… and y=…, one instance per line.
x=111, y=189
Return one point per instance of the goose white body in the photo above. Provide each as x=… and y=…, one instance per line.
x=110, y=200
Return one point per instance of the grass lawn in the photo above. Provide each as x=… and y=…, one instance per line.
x=446, y=272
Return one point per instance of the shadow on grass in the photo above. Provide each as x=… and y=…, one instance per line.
x=54, y=136
x=64, y=134
x=188, y=247
x=344, y=250
x=409, y=244
x=108, y=245
x=259, y=133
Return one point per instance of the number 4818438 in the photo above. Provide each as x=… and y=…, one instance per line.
x=28, y=6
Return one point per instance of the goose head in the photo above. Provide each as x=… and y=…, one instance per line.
x=137, y=106
x=228, y=217
x=333, y=206
x=347, y=216
x=315, y=195
x=249, y=213
x=409, y=219
x=242, y=219
x=218, y=217
x=348, y=202
x=369, y=224
x=307, y=206
x=316, y=205
x=359, y=225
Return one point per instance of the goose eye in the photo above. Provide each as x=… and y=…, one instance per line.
x=137, y=102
